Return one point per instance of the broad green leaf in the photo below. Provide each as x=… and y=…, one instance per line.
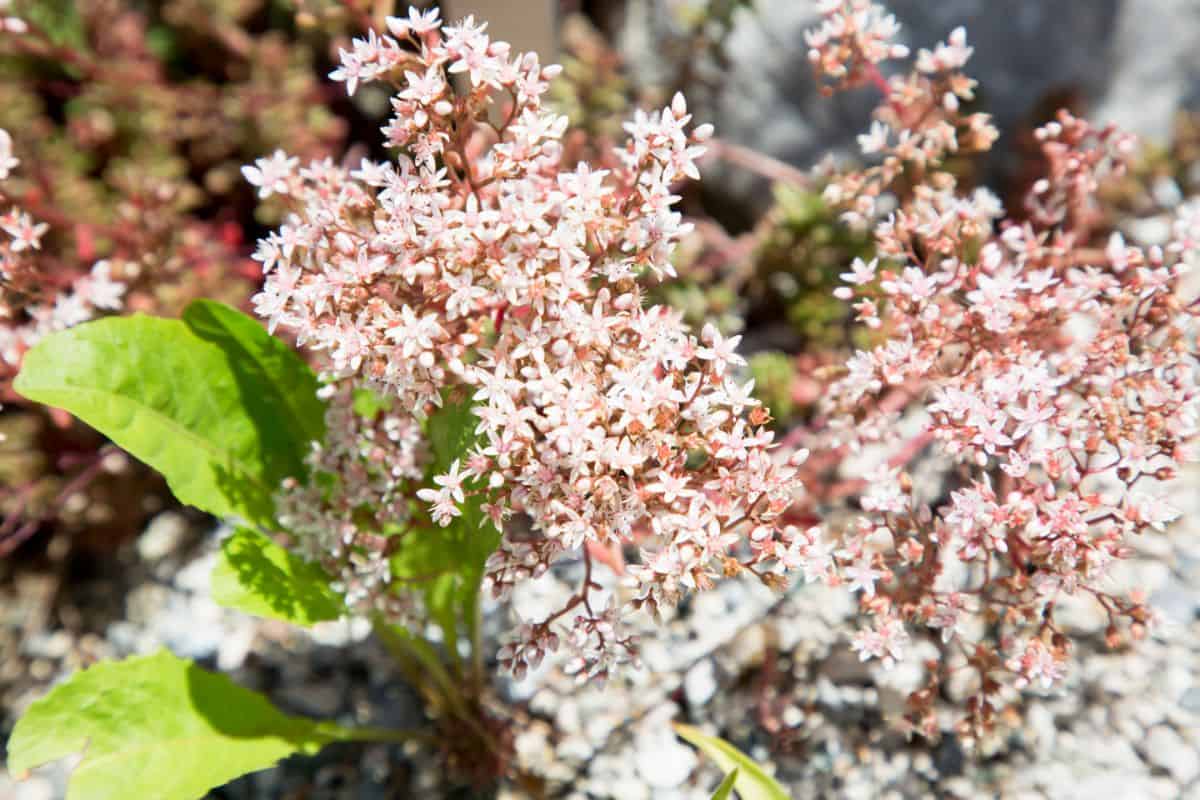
x=215, y=404
x=157, y=726
x=726, y=788
x=752, y=782
x=266, y=364
x=447, y=563
x=259, y=577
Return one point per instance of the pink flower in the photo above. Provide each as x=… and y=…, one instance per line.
x=719, y=350
x=886, y=641
x=8, y=162
x=1035, y=664
x=862, y=577
x=271, y=175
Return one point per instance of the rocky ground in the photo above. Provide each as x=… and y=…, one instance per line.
x=773, y=674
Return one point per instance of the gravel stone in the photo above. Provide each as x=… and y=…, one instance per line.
x=1166, y=749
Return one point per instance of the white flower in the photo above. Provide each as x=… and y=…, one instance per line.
x=417, y=22
x=271, y=175
x=100, y=289
x=876, y=140
x=8, y=161
x=862, y=577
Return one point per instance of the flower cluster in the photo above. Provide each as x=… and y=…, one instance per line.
x=30, y=305
x=368, y=464
x=918, y=126
x=1056, y=376
x=853, y=38
x=1049, y=364
x=478, y=261
x=111, y=206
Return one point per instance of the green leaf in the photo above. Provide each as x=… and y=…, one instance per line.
x=265, y=364
x=158, y=726
x=451, y=432
x=726, y=788
x=259, y=577
x=774, y=376
x=220, y=408
x=446, y=564
x=752, y=783
x=368, y=403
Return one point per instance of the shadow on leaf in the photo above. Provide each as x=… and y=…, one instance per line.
x=259, y=577
x=277, y=390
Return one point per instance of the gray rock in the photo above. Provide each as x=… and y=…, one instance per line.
x=319, y=698
x=1040, y=721
x=662, y=760
x=1119, y=56
x=700, y=683
x=1178, y=604
x=33, y=788
x=1191, y=699
x=1102, y=748
x=1166, y=749
x=1155, y=66
x=750, y=647
x=843, y=666
x=1113, y=783
x=47, y=645
x=162, y=536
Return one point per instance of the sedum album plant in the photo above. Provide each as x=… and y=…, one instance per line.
x=1051, y=368
x=494, y=397
x=483, y=269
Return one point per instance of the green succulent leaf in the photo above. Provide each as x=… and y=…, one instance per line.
x=158, y=726
x=446, y=565
x=774, y=376
x=223, y=410
x=257, y=576
x=752, y=782
x=61, y=22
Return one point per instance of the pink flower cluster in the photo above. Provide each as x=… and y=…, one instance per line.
x=1056, y=378
x=854, y=36
x=479, y=260
x=371, y=459
x=30, y=308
